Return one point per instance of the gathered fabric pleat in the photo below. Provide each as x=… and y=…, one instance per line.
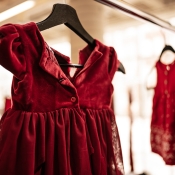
x=102, y=130
x=69, y=141
x=53, y=141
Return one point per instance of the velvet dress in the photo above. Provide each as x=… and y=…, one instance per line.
x=163, y=115
x=57, y=125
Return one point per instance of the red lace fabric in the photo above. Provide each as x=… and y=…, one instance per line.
x=116, y=148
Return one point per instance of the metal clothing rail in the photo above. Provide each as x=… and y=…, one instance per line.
x=134, y=12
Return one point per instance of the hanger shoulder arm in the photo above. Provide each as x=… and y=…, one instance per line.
x=57, y=16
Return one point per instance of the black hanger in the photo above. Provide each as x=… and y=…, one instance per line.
x=167, y=47
x=65, y=14
x=120, y=68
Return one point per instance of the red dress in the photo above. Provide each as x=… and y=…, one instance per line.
x=163, y=116
x=57, y=125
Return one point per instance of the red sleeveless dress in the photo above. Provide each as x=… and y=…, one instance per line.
x=57, y=125
x=163, y=116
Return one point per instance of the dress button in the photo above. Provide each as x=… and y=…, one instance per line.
x=166, y=73
x=168, y=67
x=165, y=82
x=73, y=99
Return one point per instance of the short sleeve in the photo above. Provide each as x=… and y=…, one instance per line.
x=11, y=51
x=113, y=63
